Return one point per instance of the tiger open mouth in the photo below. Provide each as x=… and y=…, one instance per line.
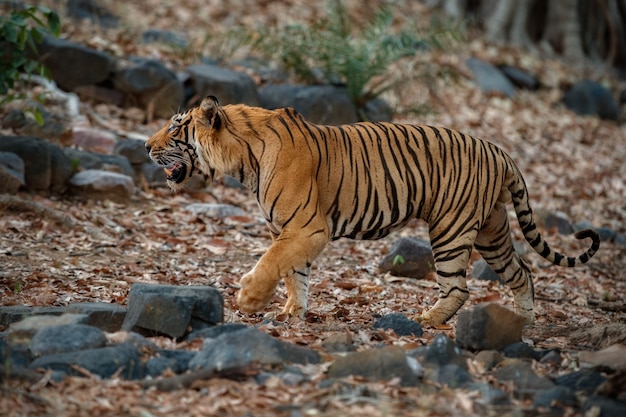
x=176, y=172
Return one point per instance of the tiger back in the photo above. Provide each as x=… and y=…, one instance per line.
x=319, y=183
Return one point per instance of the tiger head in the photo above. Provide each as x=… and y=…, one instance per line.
x=177, y=145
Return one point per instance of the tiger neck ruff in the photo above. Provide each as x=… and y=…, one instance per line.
x=318, y=183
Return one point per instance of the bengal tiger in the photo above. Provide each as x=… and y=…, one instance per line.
x=318, y=183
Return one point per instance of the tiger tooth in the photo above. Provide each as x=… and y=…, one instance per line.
x=168, y=172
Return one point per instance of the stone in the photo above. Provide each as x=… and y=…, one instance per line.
x=13, y=356
x=84, y=160
x=176, y=361
x=11, y=173
x=521, y=350
x=520, y=78
x=244, y=348
x=105, y=316
x=168, y=309
x=102, y=185
x=212, y=210
x=321, y=104
x=454, y=376
x=338, y=342
x=489, y=78
x=550, y=220
x=12, y=314
x=94, y=140
x=556, y=397
x=230, y=87
x=378, y=364
x=149, y=84
x=591, y=98
x=584, y=380
x=132, y=149
x=72, y=64
x=482, y=271
x=488, y=358
x=488, y=326
x=66, y=338
x=93, y=11
x=153, y=173
x=613, y=357
x=104, y=362
x=376, y=110
x=409, y=257
x=443, y=351
x=46, y=167
x=604, y=407
x=24, y=330
x=216, y=331
x=526, y=383
x=401, y=325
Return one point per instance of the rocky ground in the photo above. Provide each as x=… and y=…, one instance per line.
x=572, y=164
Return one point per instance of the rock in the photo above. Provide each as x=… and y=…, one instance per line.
x=376, y=110
x=488, y=358
x=100, y=94
x=613, y=357
x=102, y=185
x=489, y=78
x=230, y=87
x=66, y=338
x=104, y=362
x=520, y=78
x=521, y=350
x=409, y=257
x=175, y=360
x=91, y=10
x=12, y=314
x=94, y=140
x=443, y=351
x=84, y=160
x=554, y=220
x=217, y=211
x=338, y=342
x=378, y=364
x=585, y=381
x=526, y=383
x=46, y=167
x=556, y=397
x=13, y=357
x=11, y=173
x=401, y=325
x=149, y=84
x=24, y=330
x=488, y=326
x=604, y=407
x=243, y=348
x=216, y=331
x=154, y=174
x=73, y=65
x=591, y=98
x=488, y=394
x=454, y=376
x=322, y=104
x=105, y=316
x=133, y=149
x=165, y=36
x=168, y=309
x=481, y=270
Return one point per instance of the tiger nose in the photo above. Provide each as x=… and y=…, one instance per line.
x=148, y=147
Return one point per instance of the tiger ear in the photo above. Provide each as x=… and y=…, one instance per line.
x=209, y=108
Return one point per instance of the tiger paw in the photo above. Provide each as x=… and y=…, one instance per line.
x=294, y=309
x=253, y=298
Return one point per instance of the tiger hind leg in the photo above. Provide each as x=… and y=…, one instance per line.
x=297, y=293
x=495, y=245
x=451, y=260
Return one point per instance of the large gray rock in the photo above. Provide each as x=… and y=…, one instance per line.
x=91, y=10
x=489, y=78
x=409, y=257
x=102, y=185
x=132, y=149
x=488, y=327
x=322, y=104
x=526, y=383
x=149, y=84
x=378, y=364
x=242, y=348
x=401, y=325
x=66, y=338
x=93, y=160
x=73, y=65
x=591, y=98
x=11, y=173
x=230, y=87
x=170, y=309
x=105, y=316
x=46, y=167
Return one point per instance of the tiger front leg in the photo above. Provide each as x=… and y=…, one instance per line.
x=290, y=258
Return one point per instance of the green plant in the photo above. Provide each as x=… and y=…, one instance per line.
x=21, y=31
x=398, y=260
x=333, y=50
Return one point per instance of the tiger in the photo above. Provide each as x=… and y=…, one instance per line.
x=315, y=184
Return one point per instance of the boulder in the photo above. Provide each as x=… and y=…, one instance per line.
x=102, y=185
x=73, y=65
x=93, y=11
x=322, y=104
x=489, y=78
x=230, y=87
x=409, y=257
x=149, y=84
x=591, y=98
x=401, y=325
x=84, y=160
x=215, y=210
x=526, y=383
x=132, y=149
x=520, y=78
x=105, y=316
x=488, y=326
x=94, y=140
x=66, y=338
x=11, y=173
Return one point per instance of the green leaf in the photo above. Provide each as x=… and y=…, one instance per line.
x=398, y=260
